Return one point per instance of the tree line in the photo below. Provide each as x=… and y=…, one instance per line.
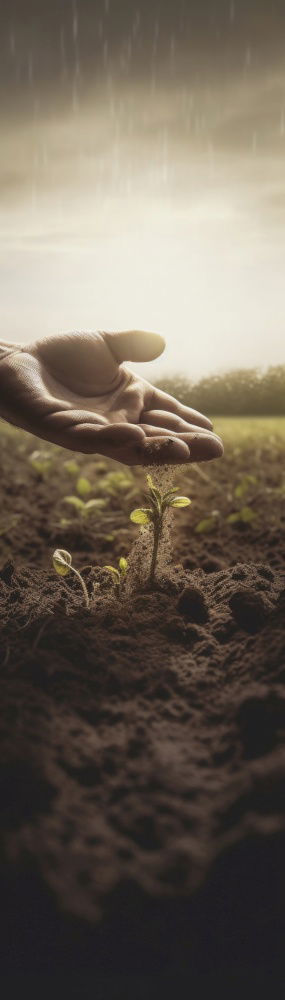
x=242, y=392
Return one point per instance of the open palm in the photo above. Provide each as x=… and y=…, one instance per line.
x=73, y=389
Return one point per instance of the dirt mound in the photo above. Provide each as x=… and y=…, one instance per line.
x=142, y=770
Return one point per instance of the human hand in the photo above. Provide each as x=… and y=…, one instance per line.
x=72, y=389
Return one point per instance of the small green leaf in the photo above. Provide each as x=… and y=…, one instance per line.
x=239, y=491
x=247, y=515
x=40, y=461
x=71, y=467
x=83, y=486
x=155, y=494
x=123, y=565
x=62, y=561
x=113, y=570
x=233, y=518
x=179, y=502
x=40, y=456
x=206, y=526
x=170, y=493
x=150, y=482
x=242, y=488
x=141, y=515
x=75, y=502
x=115, y=483
x=91, y=504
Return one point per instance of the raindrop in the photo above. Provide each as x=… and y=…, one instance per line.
x=62, y=44
x=75, y=21
x=30, y=69
x=172, y=53
x=105, y=52
x=282, y=124
x=136, y=23
x=232, y=11
x=12, y=43
x=107, y=6
x=248, y=56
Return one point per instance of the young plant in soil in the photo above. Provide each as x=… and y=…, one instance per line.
x=119, y=574
x=81, y=503
x=41, y=462
x=154, y=515
x=62, y=563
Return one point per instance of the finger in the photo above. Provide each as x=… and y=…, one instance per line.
x=126, y=443
x=160, y=400
x=135, y=345
x=90, y=438
x=6, y=347
x=162, y=450
x=202, y=445
x=171, y=422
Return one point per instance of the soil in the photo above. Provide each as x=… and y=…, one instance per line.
x=142, y=741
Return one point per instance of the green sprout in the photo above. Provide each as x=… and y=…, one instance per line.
x=117, y=483
x=243, y=516
x=208, y=524
x=62, y=563
x=118, y=574
x=84, y=507
x=71, y=466
x=80, y=503
x=154, y=515
x=244, y=486
x=118, y=487
x=41, y=462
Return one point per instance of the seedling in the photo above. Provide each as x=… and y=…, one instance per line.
x=244, y=516
x=83, y=487
x=85, y=508
x=118, y=574
x=62, y=563
x=244, y=485
x=41, y=462
x=118, y=484
x=80, y=503
x=71, y=466
x=154, y=515
x=208, y=524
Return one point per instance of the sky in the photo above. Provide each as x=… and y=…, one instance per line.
x=142, y=175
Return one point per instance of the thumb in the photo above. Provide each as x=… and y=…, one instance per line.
x=135, y=345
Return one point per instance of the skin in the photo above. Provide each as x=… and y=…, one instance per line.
x=73, y=389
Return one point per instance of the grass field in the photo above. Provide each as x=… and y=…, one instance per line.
x=246, y=430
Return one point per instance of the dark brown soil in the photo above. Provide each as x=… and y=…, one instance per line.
x=142, y=744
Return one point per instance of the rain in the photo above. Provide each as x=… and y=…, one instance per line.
x=142, y=176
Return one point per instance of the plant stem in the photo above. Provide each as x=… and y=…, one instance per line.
x=83, y=585
x=157, y=528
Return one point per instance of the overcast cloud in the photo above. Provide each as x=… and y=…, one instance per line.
x=142, y=179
